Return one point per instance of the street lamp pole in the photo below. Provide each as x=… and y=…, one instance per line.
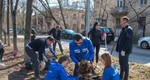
x=87, y=16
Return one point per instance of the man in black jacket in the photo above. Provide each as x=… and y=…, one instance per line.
x=38, y=45
x=33, y=34
x=56, y=32
x=124, y=47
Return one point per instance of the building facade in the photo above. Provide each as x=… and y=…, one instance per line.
x=119, y=8
x=74, y=18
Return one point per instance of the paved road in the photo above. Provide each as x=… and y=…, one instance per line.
x=138, y=55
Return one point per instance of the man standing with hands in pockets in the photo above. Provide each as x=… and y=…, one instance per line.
x=124, y=47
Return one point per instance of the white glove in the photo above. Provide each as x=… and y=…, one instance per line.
x=116, y=39
x=78, y=63
x=122, y=53
x=42, y=64
x=104, y=36
x=88, y=61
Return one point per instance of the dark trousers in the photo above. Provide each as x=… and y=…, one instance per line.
x=60, y=46
x=75, y=73
x=31, y=53
x=1, y=54
x=124, y=66
x=97, y=51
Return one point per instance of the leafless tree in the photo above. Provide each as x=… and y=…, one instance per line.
x=8, y=33
x=46, y=6
x=28, y=24
x=137, y=13
x=61, y=10
x=13, y=14
x=1, y=14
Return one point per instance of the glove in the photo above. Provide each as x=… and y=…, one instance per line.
x=42, y=64
x=78, y=63
x=88, y=61
x=116, y=39
x=122, y=53
x=104, y=36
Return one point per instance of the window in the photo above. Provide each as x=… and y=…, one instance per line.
x=74, y=16
x=74, y=26
x=118, y=23
x=82, y=27
x=66, y=16
x=142, y=21
x=82, y=16
x=143, y=2
x=121, y=3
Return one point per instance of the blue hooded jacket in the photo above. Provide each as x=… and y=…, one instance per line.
x=57, y=72
x=83, y=52
x=110, y=74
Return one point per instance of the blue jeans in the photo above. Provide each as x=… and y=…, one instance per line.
x=124, y=66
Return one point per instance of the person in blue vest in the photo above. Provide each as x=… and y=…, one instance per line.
x=57, y=71
x=110, y=70
x=124, y=47
x=81, y=49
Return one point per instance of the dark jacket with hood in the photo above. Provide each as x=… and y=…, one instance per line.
x=95, y=35
x=53, y=32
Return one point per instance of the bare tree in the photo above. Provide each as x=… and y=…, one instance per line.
x=8, y=33
x=13, y=14
x=61, y=10
x=1, y=14
x=131, y=4
x=28, y=25
x=46, y=6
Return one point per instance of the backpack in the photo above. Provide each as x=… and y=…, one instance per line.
x=29, y=64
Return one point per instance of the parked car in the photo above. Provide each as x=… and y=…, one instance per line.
x=10, y=31
x=108, y=31
x=144, y=42
x=67, y=33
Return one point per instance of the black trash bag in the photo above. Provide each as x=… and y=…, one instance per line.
x=29, y=64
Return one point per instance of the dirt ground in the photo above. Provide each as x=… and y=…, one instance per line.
x=15, y=67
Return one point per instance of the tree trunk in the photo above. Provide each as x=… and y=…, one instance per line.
x=60, y=7
x=8, y=34
x=28, y=25
x=14, y=31
x=1, y=14
x=4, y=32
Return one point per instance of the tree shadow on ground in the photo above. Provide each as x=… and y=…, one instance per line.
x=22, y=74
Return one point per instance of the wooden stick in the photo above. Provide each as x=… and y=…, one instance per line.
x=113, y=47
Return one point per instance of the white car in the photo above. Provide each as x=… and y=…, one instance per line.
x=144, y=42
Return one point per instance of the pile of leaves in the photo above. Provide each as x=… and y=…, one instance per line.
x=85, y=67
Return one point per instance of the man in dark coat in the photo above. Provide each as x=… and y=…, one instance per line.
x=56, y=32
x=124, y=47
x=33, y=34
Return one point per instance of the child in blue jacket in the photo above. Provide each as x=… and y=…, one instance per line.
x=57, y=71
x=110, y=70
x=80, y=49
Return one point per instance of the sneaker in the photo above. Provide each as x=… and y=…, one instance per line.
x=97, y=66
x=2, y=64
